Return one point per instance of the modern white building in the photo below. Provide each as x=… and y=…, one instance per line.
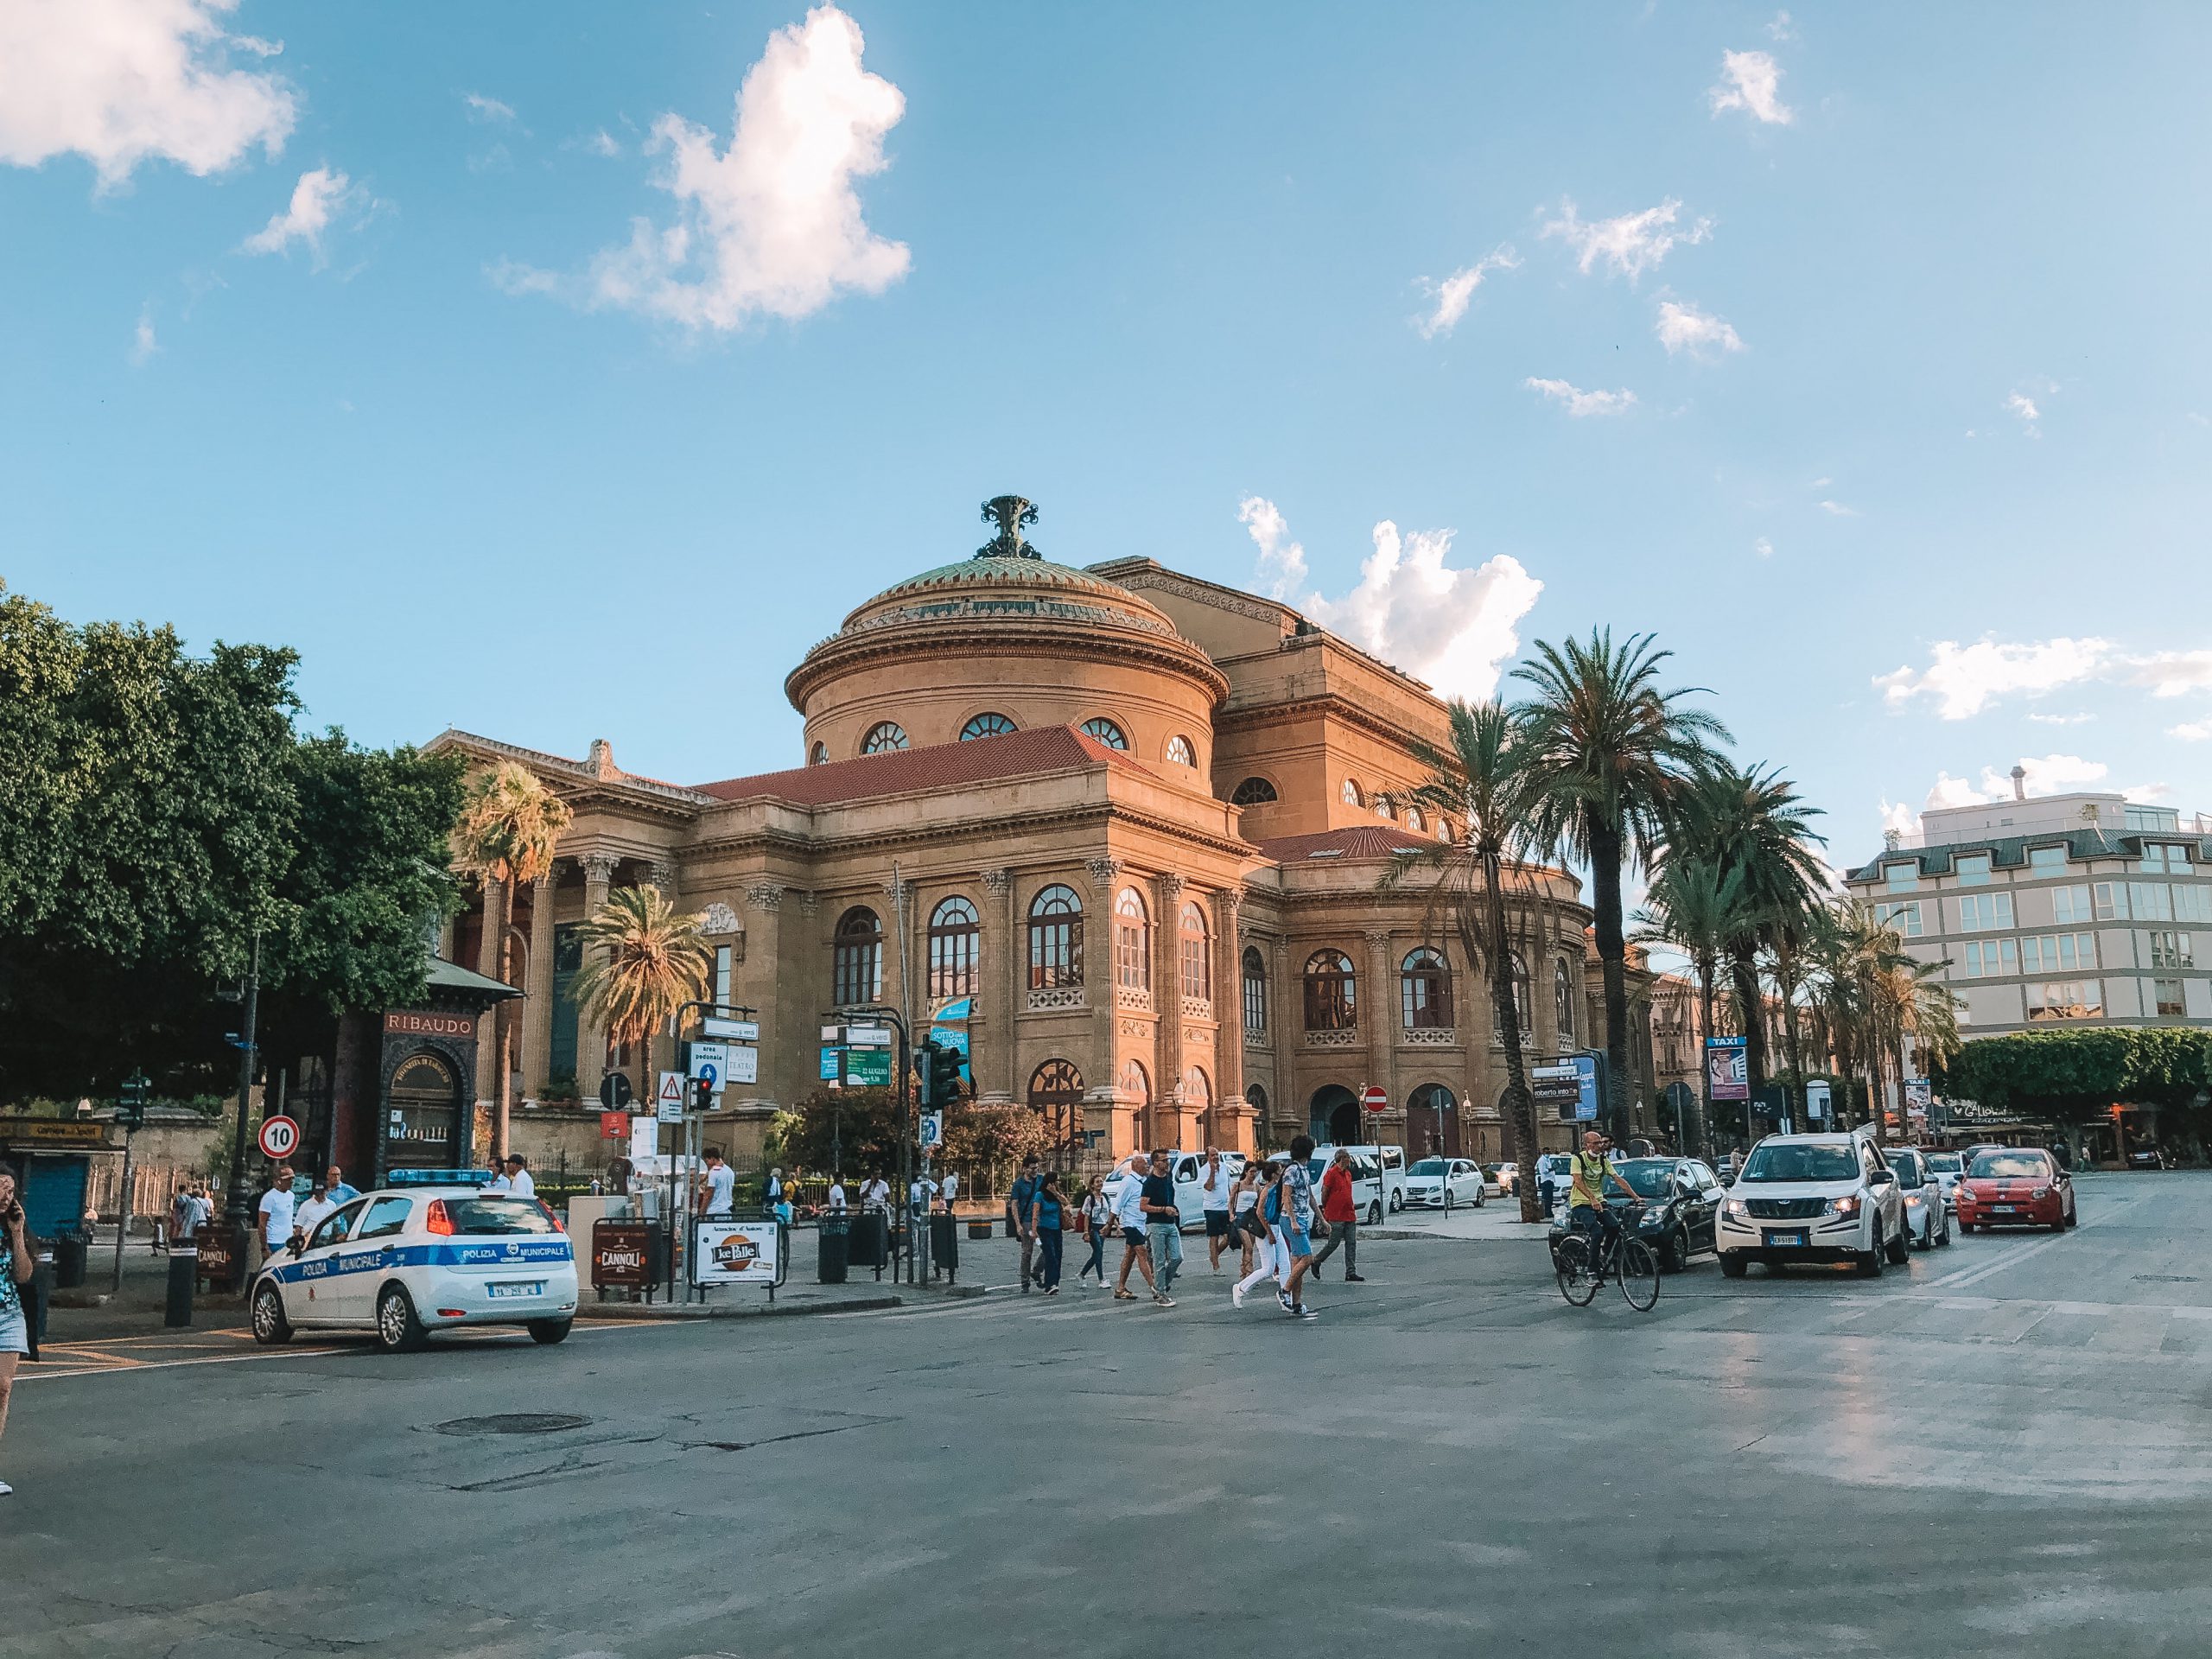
x=2062, y=910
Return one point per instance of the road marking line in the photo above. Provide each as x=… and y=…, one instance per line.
x=1980, y=1271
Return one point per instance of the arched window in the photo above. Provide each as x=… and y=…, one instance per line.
x=1106, y=732
x=818, y=755
x=1256, y=1099
x=1520, y=1003
x=856, y=958
x=1563, y=1003
x=1136, y=1081
x=881, y=736
x=1180, y=752
x=1256, y=990
x=1198, y=1089
x=986, y=725
x=1252, y=792
x=1055, y=939
x=1194, y=954
x=1444, y=829
x=1131, y=942
x=1056, y=1095
x=953, y=936
x=1383, y=807
x=1350, y=793
x=1330, y=992
x=1425, y=991
x=1414, y=821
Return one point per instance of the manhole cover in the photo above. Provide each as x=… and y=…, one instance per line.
x=513, y=1423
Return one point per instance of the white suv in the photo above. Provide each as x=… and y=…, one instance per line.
x=1814, y=1198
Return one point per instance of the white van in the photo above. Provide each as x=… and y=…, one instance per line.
x=1189, y=1170
x=1390, y=1161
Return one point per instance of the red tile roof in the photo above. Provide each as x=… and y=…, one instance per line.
x=898, y=772
x=1361, y=840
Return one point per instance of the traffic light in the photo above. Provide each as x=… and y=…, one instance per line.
x=702, y=1094
x=940, y=1070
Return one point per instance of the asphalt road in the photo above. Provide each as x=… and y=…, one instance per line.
x=2004, y=1448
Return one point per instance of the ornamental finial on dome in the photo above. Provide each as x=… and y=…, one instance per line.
x=1010, y=513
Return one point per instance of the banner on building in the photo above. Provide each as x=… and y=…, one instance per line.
x=1728, y=1067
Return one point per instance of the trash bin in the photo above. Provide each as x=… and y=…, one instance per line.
x=868, y=1244
x=833, y=1240
x=70, y=1246
x=944, y=1245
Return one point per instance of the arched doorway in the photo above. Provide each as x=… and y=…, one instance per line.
x=1432, y=1122
x=422, y=1114
x=1056, y=1095
x=1333, y=1114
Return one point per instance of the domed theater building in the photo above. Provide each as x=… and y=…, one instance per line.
x=1137, y=819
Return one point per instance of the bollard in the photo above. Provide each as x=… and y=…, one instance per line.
x=184, y=1264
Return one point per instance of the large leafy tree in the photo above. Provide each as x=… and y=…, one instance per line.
x=1612, y=758
x=2075, y=1075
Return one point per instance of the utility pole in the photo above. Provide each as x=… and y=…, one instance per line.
x=238, y=1202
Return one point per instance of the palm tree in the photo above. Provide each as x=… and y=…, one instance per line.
x=1482, y=780
x=643, y=961
x=1611, y=757
x=508, y=828
x=1694, y=907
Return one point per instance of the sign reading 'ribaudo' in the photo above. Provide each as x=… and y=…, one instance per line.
x=422, y=1022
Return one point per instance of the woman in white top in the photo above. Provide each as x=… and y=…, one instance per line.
x=1243, y=1200
x=1096, y=1212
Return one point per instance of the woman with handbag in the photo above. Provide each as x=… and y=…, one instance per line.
x=18, y=1330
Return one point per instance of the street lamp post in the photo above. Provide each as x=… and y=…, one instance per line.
x=238, y=1202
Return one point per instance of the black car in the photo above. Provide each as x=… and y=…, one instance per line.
x=1681, y=1205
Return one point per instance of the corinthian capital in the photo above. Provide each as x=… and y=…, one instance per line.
x=766, y=895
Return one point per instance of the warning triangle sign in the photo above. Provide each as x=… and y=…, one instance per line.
x=671, y=1087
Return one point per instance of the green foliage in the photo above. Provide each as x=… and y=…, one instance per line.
x=868, y=1126
x=990, y=1140
x=2075, y=1075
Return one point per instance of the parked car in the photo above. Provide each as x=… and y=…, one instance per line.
x=1444, y=1184
x=1501, y=1180
x=1814, y=1198
x=1390, y=1166
x=2016, y=1186
x=1926, y=1218
x=1682, y=1206
x=1946, y=1167
x=1188, y=1168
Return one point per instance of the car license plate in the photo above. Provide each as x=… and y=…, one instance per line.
x=1786, y=1238
x=535, y=1288
x=2003, y=1209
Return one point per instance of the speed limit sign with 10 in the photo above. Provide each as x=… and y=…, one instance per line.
x=279, y=1135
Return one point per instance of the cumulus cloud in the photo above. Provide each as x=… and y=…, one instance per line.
x=1837, y=510
x=1578, y=403
x=2193, y=731
x=2170, y=673
x=771, y=225
x=1628, y=245
x=1962, y=680
x=1453, y=294
x=1453, y=627
x=1751, y=82
x=317, y=197
x=1763, y=547
x=1900, y=819
x=122, y=81
x=490, y=111
x=1683, y=327
x=2023, y=407
x=2046, y=774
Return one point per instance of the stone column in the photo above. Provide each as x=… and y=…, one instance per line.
x=1382, y=1023
x=1173, y=1118
x=1291, y=1105
x=1101, y=1073
x=1003, y=953
x=537, y=987
x=591, y=1036
x=1229, y=1111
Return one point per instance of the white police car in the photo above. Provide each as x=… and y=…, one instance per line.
x=407, y=1260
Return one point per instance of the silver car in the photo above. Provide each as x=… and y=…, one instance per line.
x=1927, y=1213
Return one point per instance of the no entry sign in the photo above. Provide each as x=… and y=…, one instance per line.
x=1374, y=1099
x=279, y=1135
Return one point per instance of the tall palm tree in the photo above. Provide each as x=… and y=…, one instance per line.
x=642, y=961
x=508, y=825
x=1483, y=781
x=1611, y=757
x=1694, y=907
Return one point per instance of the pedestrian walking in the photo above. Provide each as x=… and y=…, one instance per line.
x=718, y=1185
x=1018, y=1198
x=519, y=1186
x=1097, y=1213
x=1260, y=1230
x=1297, y=1210
x=18, y=1322
x=1214, y=1182
x=1163, y=1224
x=952, y=1189
x=1129, y=1211
x=1047, y=1207
x=1341, y=1215
x=276, y=1211
x=1245, y=1227
x=836, y=1202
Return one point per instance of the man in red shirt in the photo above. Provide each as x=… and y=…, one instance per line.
x=1342, y=1216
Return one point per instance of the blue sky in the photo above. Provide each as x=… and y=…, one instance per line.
x=349, y=345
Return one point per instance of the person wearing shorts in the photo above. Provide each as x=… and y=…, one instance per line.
x=16, y=1265
x=1130, y=1212
x=1297, y=1206
x=1214, y=1182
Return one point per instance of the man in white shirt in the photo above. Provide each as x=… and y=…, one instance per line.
x=837, y=1198
x=1213, y=1199
x=276, y=1208
x=876, y=1195
x=519, y=1184
x=717, y=1185
x=951, y=1188
x=1129, y=1207
x=313, y=1210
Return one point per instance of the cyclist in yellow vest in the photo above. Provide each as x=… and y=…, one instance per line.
x=1586, y=1196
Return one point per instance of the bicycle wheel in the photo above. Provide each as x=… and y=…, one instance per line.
x=1639, y=1271
x=1578, y=1281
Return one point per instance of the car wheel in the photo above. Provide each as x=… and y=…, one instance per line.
x=1397, y=1202
x=1966, y=1226
x=1677, y=1258
x=1943, y=1238
x=2073, y=1216
x=398, y=1329
x=1374, y=1214
x=1900, y=1246
x=1480, y=1197
x=1447, y=1200
x=548, y=1332
x=1734, y=1267
x=1869, y=1261
x=270, y=1327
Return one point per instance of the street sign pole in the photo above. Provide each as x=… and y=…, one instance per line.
x=122, y=1225
x=238, y=1202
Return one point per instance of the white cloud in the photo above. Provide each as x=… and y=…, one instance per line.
x=1837, y=510
x=1579, y=403
x=1952, y=792
x=1454, y=629
x=2045, y=774
x=489, y=110
x=2194, y=731
x=511, y=279
x=1630, y=245
x=1455, y=291
x=771, y=225
x=1763, y=547
x=142, y=343
x=601, y=143
x=315, y=197
x=1779, y=29
x=2062, y=720
x=1897, y=816
x=1751, y=82
x=1965, y=679
x=1684, y=329
x=2024, y=407
x=122, y=81
x=2170, y=673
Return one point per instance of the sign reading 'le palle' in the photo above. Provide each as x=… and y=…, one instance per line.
x=736, y=1253
x=418, y=1023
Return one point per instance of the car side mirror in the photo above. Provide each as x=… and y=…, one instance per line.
x=1883, y=1177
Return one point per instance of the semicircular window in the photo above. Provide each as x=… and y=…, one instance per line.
x=987, y=725
x=1180, y=752
x=1252, y=792
x=818, y=755
x=1105, y=731
x=882, y=736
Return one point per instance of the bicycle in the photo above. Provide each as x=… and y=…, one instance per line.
x=1620, y=1254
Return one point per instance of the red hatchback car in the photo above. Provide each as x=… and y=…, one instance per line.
x=2015, y=1187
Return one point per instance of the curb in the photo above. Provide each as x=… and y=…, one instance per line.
x=645, y=1312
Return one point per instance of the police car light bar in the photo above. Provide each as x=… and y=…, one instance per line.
x=437, y=1177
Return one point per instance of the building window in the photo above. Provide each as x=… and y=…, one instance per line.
x=1350, y=793
x=2151, y=901
x=1414, y=821
x=2047, y=860
x=953, y=937
x=2159, y=859
x=2151, y=817
x=1521, y=1000
x=1256, y=1099
x=882, y=736
x=1383, y=807
x=1180, y=752
x=2193, y=903
x=2066, y=999
x=1056, y=1095
x=1425, y=991
x=1055, y=939
x=723, y=954
x=856, y=958
x=2171, y=950
x=1972, y=869
x=1136, y=1081
x=1985, y=913
x=1131, y=942
x=1106, y=732
x=1444, y=829
x=1902, y=916
x=1252, y=792
x=1563, y=1004
x=1197, y=1089
x=986, y=725
x=2057, y=953
x=2112, y=901
x=2070, y=905
x=818, y=755
x=1989, y=958
x=1193, y=954
x=1902, y=877
x=2166, y=995
x=1332, y=992
x=1255, y=991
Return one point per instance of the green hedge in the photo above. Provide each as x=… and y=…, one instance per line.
x=2078, y=1074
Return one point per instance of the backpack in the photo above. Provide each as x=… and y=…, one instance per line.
x=1272, y=1205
